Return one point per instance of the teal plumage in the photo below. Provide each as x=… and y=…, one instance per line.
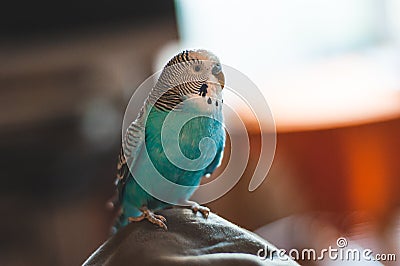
x=179, y=94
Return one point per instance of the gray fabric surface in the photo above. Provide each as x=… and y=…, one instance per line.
x=190, y=240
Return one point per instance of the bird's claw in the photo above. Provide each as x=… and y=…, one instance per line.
x=151, y=217
x=160, y=217
x=202, y=209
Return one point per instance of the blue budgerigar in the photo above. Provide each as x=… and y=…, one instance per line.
x=190, y=85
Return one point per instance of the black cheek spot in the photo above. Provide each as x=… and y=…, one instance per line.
x=216, y=103
x=209, y=101
x=203, y=90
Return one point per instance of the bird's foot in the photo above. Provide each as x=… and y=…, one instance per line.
x=151, y=217
x=198, y=208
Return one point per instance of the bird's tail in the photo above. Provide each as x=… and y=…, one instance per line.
x=120, y=222
x=119, y=218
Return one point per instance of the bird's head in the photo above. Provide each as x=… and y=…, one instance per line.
x=191, y=73
x=201, y=65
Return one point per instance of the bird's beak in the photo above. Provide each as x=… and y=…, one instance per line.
x=221, y=79
x=217, y=72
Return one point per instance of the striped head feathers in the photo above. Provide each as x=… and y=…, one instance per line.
x=189, y=74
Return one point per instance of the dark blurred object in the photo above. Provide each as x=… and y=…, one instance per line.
x=21, y=19
x=190, y=240
x=66, y=74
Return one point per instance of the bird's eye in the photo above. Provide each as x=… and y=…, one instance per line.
x=197, y=68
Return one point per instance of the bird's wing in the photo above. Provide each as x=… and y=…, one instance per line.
x=131, y=146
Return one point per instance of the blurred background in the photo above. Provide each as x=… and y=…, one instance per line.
x=328, y=69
